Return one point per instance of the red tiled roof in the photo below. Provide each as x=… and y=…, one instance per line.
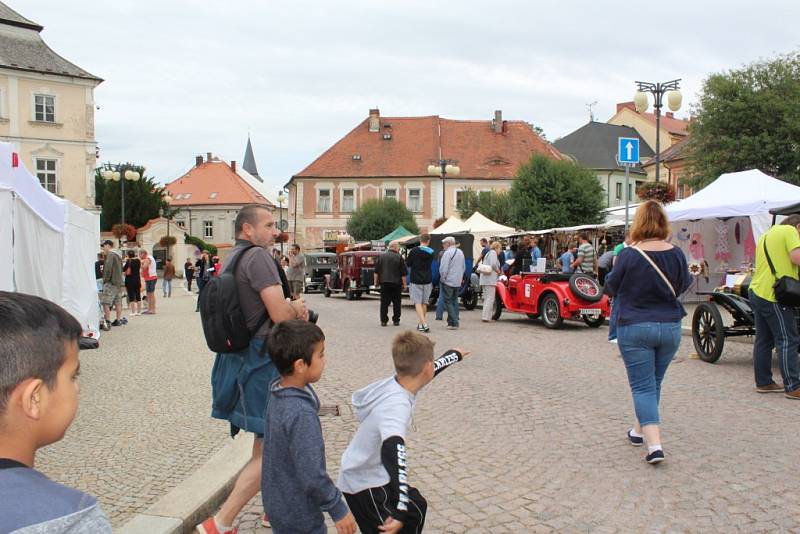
x=673, y=153
x=213, y=183
x=670, y=124
x=415, y=141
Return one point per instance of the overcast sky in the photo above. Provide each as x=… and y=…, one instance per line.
x=184, y=77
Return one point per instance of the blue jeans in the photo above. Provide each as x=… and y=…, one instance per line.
x=647, y=350
x=776, y=327
x=612, y=321
x=451, y=303
x=440, y=305
x=166, y=286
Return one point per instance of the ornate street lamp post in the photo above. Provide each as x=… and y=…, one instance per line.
x=658, y=90
x=168, y=212
x=442, y=168
x=281, y=199
x=121, y=174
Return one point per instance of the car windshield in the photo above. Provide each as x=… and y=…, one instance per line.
x=323, y=260
x=368, y=261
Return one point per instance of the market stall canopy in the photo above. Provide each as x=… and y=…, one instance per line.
x=482, y=226
x=735, y=194
x=396, y=234
x=451, y=225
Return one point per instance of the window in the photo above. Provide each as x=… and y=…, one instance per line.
x=681, y=191
x=181, y=224
x=46, y=172
x=208, y=229
x=630, y=191
x=460, y=198
x=619, y=191
x=233, y=228
x=415, y=200
x=324, y=201
x=390, y=193
x=213, y=195
x=44, y=108
x=348, y=200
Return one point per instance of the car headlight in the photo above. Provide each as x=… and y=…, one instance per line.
x=308, y=279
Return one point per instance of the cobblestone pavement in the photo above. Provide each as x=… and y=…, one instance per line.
x=528, y=435
x=143, y=425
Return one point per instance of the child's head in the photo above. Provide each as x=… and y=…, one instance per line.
x=297, y=347
x=412, y=353
x=38, y=368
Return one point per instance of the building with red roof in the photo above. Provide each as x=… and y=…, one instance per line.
x=210, y=196
x=388, y=157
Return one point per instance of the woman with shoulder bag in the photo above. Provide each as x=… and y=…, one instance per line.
x=489, y=269
x=648, y=277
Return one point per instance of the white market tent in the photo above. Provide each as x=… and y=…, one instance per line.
x=481, y=226
x=49, y=243
x=452, y=225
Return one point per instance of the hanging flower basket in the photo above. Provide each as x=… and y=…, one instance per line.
x=438, y=222
x=167, y=241
x=127, y=230
x=283, y=237
x=660, y=191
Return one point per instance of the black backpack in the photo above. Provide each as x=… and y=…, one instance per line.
x=224, y=324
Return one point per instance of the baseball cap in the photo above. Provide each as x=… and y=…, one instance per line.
x=107, y=242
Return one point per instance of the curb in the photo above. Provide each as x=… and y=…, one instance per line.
x=197, y=497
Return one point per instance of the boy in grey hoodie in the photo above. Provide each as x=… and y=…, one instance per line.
x=374, y=473
x=295, y=486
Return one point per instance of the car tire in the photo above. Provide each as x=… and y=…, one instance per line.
x=327, y=292
x=305, y=290
x=708, y=332
x=470, y=299
x=594, y=323
x=585, y=287
x=349, y=294
x=498, y=308
x=550, y=311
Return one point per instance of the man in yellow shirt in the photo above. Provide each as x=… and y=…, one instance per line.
x=776, y=324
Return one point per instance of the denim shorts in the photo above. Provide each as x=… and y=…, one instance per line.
x=150, y=285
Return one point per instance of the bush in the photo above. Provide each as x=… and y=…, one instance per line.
x=199, y=243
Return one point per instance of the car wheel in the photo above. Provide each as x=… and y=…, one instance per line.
x=305, y=290
x=470, y=299
x=585, y=287
x=594, y=322
x=358, y=294
x=327, y=292
x=498, y=308
x=550, y=311
x=708, y=332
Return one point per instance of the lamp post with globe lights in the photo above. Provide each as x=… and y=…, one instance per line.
x=168, y=213
x=121, y=174
x=443, y=167
x=658, y=90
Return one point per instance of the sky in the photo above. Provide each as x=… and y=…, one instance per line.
x=186, y=77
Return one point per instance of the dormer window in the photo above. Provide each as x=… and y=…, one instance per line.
x=213, y=195
x=356, y=157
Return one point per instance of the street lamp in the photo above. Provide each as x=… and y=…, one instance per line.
x=658, y=90
x=281, y=198
x=443, y=167
x=116, y=176
x=168, y=212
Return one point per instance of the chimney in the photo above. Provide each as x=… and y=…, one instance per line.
x=374, y=120
x=208, y=156
x=670, y=115
x=497, y=124
x=198, y=160
x=622, y=105
x=233, y=166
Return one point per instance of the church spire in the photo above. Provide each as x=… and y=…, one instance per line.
x=249, y=163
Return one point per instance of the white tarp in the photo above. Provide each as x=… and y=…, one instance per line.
x=49, y=243
x=452, y=225
x=480, y=224
x=735, y=194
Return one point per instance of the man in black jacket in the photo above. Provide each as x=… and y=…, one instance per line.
x=390, y=274
x=420, y=285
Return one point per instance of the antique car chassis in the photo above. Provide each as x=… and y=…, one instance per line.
x=708, y=327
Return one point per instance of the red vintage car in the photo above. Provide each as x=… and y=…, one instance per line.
x=553, y=297
x=353, y=275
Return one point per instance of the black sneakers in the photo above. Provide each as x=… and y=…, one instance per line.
x=636, y=441
x=655, y=457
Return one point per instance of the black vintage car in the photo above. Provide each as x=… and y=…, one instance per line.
x=318, y=265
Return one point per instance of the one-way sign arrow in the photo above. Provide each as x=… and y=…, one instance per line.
x=628, y=150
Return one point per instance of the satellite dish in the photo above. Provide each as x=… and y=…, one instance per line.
x=283, y=225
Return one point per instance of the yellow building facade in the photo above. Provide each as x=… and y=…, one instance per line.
x=47, y=110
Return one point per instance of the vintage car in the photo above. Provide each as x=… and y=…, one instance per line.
x=553, y=297
x=353, y=275
x=318, y=265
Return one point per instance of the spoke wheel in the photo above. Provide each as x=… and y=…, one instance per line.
x=708, y=332
x=551, y=312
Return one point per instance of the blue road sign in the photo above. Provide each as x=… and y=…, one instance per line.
x=628, y=150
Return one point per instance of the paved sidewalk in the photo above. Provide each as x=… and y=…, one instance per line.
x=143, y=424
x=528, y=435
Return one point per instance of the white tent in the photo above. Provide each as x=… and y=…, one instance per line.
x=737, y=194
x=49, y=243
x=452, y=225
x=482, y=226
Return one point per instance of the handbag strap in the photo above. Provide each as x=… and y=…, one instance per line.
x=769, y=260
x=659, y=271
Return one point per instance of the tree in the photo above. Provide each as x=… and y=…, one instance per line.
x=376, y=218
x=549, y=193
x=495, y=205
x=143, y=197
x=748, y=118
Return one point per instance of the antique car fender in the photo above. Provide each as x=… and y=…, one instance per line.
x=561, y=291
x=503, y=293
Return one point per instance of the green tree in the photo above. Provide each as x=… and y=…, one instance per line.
x=495, y=205
x=548, y=193
x=376, y=218
x=748, y=118
x=143, y=198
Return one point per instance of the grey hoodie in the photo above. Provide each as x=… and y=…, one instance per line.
x=295, y=486
x=384, y=409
